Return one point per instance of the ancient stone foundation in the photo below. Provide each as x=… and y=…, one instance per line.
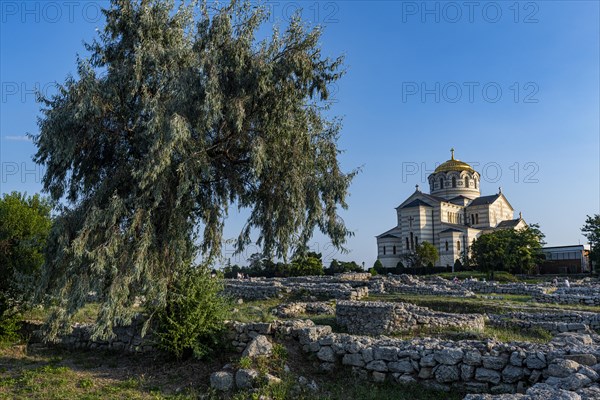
x=377, y=318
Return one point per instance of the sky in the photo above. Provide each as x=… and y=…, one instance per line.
x=512, y=86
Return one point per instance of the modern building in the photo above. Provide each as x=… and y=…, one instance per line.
x=565, y=259
x=450, y=217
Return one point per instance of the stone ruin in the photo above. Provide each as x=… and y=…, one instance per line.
x=341, y=286
x=568, y=364
x=378, y=318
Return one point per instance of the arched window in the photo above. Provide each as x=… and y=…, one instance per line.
x=446, y=245
x=475, y=183
x=407, y=245
x=477, y=218
x=466, y=181
x=453, y=181
x=384, y=250
x=472, y=219
x=394, y=249
x=441, y=183
x=416, y=240
x=412, y=241
x=458, y=245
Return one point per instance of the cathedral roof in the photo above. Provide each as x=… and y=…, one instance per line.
x=511, y=223
x=453, y=165
x=416, y=203
x=484, y=200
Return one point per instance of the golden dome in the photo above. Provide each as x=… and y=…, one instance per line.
x=453, y=165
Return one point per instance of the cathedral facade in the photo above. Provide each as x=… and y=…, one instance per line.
x=450, y=217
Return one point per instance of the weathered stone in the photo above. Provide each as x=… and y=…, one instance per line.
x=385, y=353
x=245, y=378
x=259, y=346
x=353, y=359
x=512, y=374
x=377, y=365
x=326, y=354
x=449, y=356
x=561, y=368
x=428, y=361
x=404, y=366
x=447, y=373
x=472, y=357
x=487, y=375
x=517, y=358
x=575, y=382
x=221, y=380
x=536, y=360
x=379, y=376
x=589, y=372
x=466, y=372
x=583, y=359
x=492, y=362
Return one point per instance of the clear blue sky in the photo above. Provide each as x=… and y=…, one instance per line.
x=515, y=89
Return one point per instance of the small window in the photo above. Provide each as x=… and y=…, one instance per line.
x=416, y=240
x=446, y=245
x=412, y=241
x=458, y=245
x=384, y=250
x=441, y=183
x=472, y=219
x=394, y=249
x=476, y=218
x=475, y=183
x=466, y=181
x=453, y=181
x=407, y=244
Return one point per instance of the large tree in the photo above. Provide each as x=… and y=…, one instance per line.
x=591, y=230
x=517, y=251
x=177, y=115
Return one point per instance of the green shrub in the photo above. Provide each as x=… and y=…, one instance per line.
x=24, y=227
x=194, y=315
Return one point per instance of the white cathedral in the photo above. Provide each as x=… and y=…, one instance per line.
x=450, y=217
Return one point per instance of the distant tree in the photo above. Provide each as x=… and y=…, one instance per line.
x=591, y=230
x=425, y=253
x=340, y=267
x=305, y=265
x=515, y=251
x=177, y=114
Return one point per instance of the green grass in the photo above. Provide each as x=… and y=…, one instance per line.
x=255, y=311
x=499, y=276
x=479, y=304
x=506, y=335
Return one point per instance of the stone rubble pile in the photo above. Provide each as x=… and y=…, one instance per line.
x=377, y=318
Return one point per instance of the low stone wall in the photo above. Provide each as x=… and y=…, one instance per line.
x=127, y=339
x=325, y=287
x=573, y=295
x=570, y=361
x=555, y=321
x=377, y=318
x=506, y=288
x=410, y=285
x=294, y=310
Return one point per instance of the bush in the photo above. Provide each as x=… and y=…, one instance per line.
x=24, y=227
x=194, y=315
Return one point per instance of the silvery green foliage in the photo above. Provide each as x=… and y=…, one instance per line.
x=177, y=114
